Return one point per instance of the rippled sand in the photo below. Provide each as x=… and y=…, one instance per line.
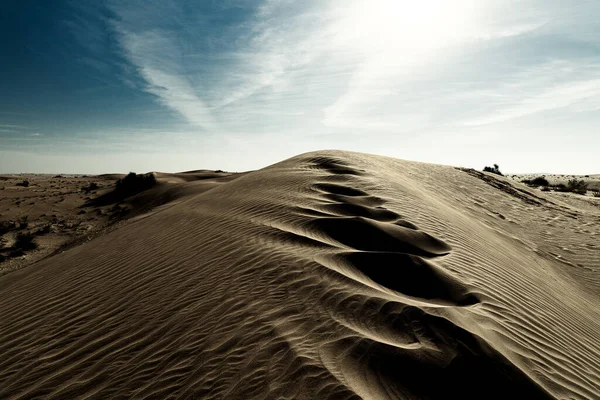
x=328, y=275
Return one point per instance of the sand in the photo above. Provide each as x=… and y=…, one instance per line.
x=328, y=275
x=62, y=211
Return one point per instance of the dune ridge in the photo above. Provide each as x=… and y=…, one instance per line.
x=329, y=275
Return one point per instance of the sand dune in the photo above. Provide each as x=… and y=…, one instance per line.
x=328, y=275
x=62, y=211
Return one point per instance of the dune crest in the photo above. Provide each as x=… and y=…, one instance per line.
x=328, y=275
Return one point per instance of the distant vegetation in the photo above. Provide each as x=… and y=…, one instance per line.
x=23, y=222
x=128, y=186
x=7, y=226
x=494, y=170
x=539, y=181
x=90, y=188
x=25, y=241
x=577, y=186
x=25, y=183
x=134, y=184
x=574, y=185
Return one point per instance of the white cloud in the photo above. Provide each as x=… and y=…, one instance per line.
x=399, y=40
x=509, y=31
x=155, y=53
x=12, y=128
x=552, y=86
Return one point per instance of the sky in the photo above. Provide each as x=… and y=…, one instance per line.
x=93, y=86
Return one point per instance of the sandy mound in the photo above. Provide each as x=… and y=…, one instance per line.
x=328, y=275
x=52, y=213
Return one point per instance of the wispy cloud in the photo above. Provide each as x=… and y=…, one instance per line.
x=164, y=81
x=399, y=60
x=276, y=44
x=156, y=53
x=557, y=85
x=207, y=76
x=12, y=126
x=12, y=131
x=547, y=99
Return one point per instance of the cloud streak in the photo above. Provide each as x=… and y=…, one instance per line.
x=155, y=54
x=163, y=81
x=548, y=99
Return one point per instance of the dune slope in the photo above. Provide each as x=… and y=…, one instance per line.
x=328, y=275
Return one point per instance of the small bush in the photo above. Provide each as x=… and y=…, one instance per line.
x=133, y=184
x=91, y=187
x=577, y=186
x=539, y=181
x=25, y=241
x=7, y=226
x=25, y=183
x=23, y=222
x=494, y=170
x=16, y=253
x=596, y=192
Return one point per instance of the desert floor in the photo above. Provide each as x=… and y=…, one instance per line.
x=329, y=275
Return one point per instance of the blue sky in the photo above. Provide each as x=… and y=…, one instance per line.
x=170, y=85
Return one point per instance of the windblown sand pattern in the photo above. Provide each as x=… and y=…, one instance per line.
x=328, y=275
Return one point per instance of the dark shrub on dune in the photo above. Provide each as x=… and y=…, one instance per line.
x=23, y=222
x=577, y=186
x=91, y=187
x=25, y=241
x=539, y=181
x=134, y=184
x=16, y=253
x=25, y=183
x=125, y=187
x=7, y=226
x=573, y=186
x=494, y=170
